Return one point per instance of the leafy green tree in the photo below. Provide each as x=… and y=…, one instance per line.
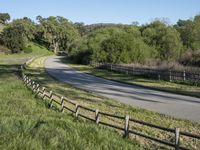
x=4, y=18
x=95, y=39
x=18, y=33
x=13, y=39
x=81, y=27
x=125, y=48
x=171, y=45
x=185, y=28
x=58, y=32
x=164, y=38
x=196, y=33
x=190, y=31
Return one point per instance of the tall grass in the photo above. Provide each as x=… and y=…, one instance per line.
x=27, y=123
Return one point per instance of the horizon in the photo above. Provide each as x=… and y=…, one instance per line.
x=94, y=12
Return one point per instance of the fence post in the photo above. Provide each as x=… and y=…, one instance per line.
x=51, y=94
x=51, y=98
x=159, y=77
x=97, y=116
x=170, y=75
x=51, y=103
x=33, y=85
x=37, y=89
x=25, y=79
x=126, y=127
x=184, y=76
x=62, y=104
x=76, y=110
x=29, y=82
x=111, y=67
x=43, y=94
x=177, y=138
x=133, y=70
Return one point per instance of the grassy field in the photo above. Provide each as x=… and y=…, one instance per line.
x=138, y=80
x=26, y=122
x=37, y=73
x=31, y=50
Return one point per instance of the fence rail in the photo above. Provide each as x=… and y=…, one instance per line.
x=159, y=74
x=59, y=100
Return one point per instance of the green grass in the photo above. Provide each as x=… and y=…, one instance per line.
x=32, y=49
x=138, y=80
x=37, y=73
x=26, y=122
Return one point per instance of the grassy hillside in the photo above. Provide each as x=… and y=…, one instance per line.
x=27, y=123
x=32, y=49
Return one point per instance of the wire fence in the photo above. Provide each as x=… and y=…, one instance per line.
x=159, y=74
x=97, y=116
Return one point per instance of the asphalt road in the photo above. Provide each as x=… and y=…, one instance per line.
x=175, y=105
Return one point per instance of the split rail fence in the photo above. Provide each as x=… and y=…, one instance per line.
x=62, y=101
x=168, y=75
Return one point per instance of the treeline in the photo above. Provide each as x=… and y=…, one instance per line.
x=114, y=43
x=56, y=33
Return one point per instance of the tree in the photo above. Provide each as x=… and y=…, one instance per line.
x=171, y=45
x=13, y=39
x=190, y=32
x=4, y=18
x=95, y=39
x=185, y=28
x=81, y=27
x=18, y=33
x=164, y=38
x=125, y=48
x=196, y=33
x=58, y=32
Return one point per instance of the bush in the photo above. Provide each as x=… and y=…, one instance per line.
x=4, y=50
x=13, y=39
x=190, y=57
x=125, y=48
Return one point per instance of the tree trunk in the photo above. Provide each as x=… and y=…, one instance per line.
x=56, y=47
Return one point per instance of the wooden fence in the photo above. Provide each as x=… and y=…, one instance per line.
x=55, y=98
x=168, y=75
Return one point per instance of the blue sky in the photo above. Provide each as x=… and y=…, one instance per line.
x=107, y=11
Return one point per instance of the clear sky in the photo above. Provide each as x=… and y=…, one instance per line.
x=106, y=11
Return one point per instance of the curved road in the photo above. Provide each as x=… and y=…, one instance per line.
x=175, y=105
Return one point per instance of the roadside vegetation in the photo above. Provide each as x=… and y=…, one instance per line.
x=36, y=72
x=182, y=88
x=26, y=122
